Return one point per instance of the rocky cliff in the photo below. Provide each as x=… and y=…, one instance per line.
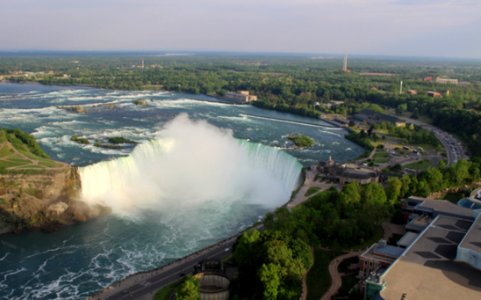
x=42, y=201
x=36, y=192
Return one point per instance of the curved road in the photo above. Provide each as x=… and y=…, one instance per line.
x=454, y=149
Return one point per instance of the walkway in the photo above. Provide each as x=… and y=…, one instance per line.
x=310, y=181
x=336, y=280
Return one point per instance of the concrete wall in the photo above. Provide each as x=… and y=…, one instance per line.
x=214, y=287
x=469, y=256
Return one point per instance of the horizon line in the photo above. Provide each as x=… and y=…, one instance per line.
x=232, y=52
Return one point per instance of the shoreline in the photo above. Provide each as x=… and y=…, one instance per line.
x=141, y=278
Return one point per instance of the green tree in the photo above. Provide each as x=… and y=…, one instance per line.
x=393, y=189
x=434, y=178
x=422, y=188
x=406, y=186
x=374, y=194
x=189, y=290
x=350, y=194
x=270, y=277
x=245, y=246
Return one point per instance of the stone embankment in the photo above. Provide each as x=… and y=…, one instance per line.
x=142, y=285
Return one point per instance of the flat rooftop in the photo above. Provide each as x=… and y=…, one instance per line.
x=420, y=220
x=444, y=207
x=427, y=269
x=407, y=239
x=472, y=239
x=383, y=252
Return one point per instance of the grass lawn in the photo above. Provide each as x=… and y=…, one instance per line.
x=165, y=292
x=380, y=157
x=420, y=165
x=318, y=278
x=348, y=283
x=22, y=159
x=312, y=190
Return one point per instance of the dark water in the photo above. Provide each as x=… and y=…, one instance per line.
x=78, y=260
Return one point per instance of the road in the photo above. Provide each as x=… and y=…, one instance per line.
x=144, y=285
x=454, y=149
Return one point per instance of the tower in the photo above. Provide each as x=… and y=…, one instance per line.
x=142, y=64
x=401, y=87
x=344, y=64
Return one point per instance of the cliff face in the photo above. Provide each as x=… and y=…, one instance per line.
x=42, y=201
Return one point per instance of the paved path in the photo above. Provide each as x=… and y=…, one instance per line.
x=336, y=280
x=309, y=182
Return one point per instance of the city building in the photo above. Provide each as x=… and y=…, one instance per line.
x=434, y=94
x=379, y=255
x=213, y=286
x=441, y=258
x=447, y=80
x=419, y=206
x=411, y=92
x=430, y=267
x=373, y=117
x=240, y=97
x=213, y=282
x=377, y=74
x=469, y=250
x=345, y=173
x=344, y=65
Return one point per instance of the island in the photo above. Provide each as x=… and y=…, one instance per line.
x=301, y=141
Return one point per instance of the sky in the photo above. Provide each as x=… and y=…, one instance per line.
x=437, y=28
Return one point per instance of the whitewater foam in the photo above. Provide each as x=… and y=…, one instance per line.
x=191, y=163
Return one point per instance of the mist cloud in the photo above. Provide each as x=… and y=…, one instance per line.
x=191, y=163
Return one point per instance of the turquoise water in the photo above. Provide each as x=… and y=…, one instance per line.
x=78, y=260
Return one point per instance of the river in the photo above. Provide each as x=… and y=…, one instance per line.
x=200, y=172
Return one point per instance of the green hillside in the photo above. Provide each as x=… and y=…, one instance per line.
x=20, y=154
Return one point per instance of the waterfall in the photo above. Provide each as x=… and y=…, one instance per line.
x=191, y=163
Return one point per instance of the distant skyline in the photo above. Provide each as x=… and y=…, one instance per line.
x=428, y=28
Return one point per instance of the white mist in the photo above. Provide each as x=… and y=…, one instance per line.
x=191, y=163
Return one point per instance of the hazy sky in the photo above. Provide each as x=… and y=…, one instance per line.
x=388, y=27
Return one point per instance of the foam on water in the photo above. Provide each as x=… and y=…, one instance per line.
x=191, y=163
x=76, y=261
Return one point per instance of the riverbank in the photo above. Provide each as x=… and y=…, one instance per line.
x=143, y=285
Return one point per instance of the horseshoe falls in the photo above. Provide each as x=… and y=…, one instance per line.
x=188, y=183
x=191, y=164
